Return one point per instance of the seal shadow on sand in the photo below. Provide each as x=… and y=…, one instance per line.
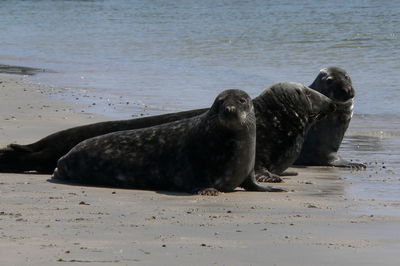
x=312, y=175
x=163, y=192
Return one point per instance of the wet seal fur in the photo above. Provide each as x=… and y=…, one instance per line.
x=324, y=138
x=205, y=154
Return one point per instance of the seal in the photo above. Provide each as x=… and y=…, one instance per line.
x=205, y=154
x=42, y=156
x=285, y=112
x=324, y=138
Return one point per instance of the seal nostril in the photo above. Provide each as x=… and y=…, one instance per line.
x=333, y=107
x=230, y=109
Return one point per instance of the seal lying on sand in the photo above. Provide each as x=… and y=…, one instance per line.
x=287, y=101
x=212, y=152
x=324, y=138
x=42, y=156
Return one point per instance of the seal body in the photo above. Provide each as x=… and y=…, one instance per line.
x=324, y=138
x=42, y=156
x=214, y=151
x=285, y=112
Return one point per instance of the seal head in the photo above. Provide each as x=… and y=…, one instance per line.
x=335, y=83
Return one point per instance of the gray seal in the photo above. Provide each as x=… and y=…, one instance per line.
x=324, y=138
x=205, y=154
x=285, y=112
x=42, y=155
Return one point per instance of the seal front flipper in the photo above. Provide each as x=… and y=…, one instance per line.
x=357, y=166
x=250, y=184
x=339, y=162
x=210, y=191
x=266, y=176
x=289, y=173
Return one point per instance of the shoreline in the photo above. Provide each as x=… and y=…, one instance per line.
x=28, y=112
x=320, y=222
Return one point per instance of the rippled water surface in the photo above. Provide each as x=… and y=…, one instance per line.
x=179, y=54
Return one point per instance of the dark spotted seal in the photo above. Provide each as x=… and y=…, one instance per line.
x=324, y=138
x=285, y=112
x=205, y=154
x=42, y=156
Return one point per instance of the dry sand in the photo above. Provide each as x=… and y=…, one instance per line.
x=45, y=223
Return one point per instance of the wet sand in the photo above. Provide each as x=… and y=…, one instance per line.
x=322, y=220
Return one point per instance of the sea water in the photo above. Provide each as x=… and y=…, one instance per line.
x=158, y=56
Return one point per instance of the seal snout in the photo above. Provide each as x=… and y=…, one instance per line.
x=326, y=107
x=230, y=114
x=332, y=107
x=320, y=104
x=343, y=93
x=230, y=111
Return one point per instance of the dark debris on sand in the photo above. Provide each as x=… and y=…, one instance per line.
x=20, y=70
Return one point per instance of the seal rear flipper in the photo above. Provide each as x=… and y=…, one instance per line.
x=264, y=175
x=20, y=148
x=15, y=160
x=250, y=184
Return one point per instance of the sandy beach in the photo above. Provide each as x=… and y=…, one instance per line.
x=318, y=222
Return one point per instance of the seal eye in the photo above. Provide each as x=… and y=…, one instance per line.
x=242, y=100
x=329, y=81
x=220, y=102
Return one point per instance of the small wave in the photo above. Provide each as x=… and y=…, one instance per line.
x=353, y=45
x=356, y=39
x=374, y=133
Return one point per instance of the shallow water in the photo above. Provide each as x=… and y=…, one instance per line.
x=174, y=55
x=124, y=58
x=375, y=140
